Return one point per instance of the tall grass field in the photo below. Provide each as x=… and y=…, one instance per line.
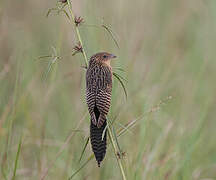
x=164, y=129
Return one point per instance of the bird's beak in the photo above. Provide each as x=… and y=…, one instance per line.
x=112, y=56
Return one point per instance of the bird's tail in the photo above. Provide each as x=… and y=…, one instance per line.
x=98, y=141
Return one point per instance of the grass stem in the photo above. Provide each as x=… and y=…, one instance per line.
x=115, y=149
x=17, y=158
x=77, y=32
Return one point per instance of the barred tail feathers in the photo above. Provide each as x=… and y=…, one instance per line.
x=98, y=144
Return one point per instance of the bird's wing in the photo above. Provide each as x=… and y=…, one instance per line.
x=91, y=101
x=91, y=94
x=103, y=98
x=103, y=101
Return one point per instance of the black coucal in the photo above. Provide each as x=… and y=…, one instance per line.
x=98, y=96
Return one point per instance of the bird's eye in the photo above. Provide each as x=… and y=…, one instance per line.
x=104, y=56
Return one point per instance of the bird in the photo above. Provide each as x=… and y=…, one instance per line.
x=98, y=98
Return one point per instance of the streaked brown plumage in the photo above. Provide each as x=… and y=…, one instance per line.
x=98, y=96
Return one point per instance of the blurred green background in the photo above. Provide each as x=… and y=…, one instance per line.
x=167, y=48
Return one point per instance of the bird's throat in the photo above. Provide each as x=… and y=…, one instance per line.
x=107, y=63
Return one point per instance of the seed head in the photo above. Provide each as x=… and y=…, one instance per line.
x=77, y=48
x=121, y=154
x=63, y=1
x=78, y=20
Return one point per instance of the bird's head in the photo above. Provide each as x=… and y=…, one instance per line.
x=102, y=57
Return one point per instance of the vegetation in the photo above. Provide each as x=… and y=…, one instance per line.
x=165, y=129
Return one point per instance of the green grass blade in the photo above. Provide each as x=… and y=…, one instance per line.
x=110, y=32
x=121, y=82
x=128, y=126
x=119, y=69
x=48, y=70
x=121, y=77
x=49, y=67
x=107, y=29
x=103, y=134
x=64, y=12
x=17, y=158
x=116, y=139
x=115, y=150
x=4, y=174
x=124, y=127
x=42, y=57
x=81, y=167
x=54, y=51
x=87, y=141
x=64, y=5
x=49, y=11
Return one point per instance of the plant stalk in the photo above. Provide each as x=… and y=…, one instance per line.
x=77, y=32
x=115, y=149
